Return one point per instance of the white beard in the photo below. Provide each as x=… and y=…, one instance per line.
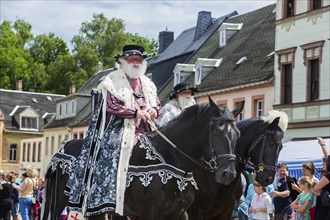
x=131, y=70
x=186, y=102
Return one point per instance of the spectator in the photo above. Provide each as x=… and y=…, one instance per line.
x=15, y=206
x=241, y=209
x=322, y=212
x=281, y=194
x=261, y=204
x=181, y=97
x=308, y=170
x=303, y=203
x=5, y=196
x=26, y=190
x=250, y=192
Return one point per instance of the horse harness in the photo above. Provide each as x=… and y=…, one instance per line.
x=210, y=165
x=261, y=166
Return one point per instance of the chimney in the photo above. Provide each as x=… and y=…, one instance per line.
x=204, y=21
x=19, y=85
x=72, y=89
x=99, y=67
x=165, y=38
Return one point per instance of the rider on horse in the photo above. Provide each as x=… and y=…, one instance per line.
x=129, y=101
x=181, y=97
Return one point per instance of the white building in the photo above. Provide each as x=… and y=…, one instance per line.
x=302, y=74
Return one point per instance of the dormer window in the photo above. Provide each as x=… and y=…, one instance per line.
x=182, y=72
x=29, y=122
x=226, y=31
x=203, y=67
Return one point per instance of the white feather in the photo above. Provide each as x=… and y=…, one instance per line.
x=282, y=124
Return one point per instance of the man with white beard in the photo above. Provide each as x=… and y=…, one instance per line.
x=181, y=98
x=128, y=102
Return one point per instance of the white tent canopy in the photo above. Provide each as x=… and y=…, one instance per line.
x=295, y=153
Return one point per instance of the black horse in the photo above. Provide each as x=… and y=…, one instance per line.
x=160, y=184
x=260, y=144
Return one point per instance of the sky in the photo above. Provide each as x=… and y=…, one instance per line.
x=144, y=17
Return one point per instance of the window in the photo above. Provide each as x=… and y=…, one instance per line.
x=23, y=152
x=257, y=105
x=28, y=152
x=81, y=135
x=286, y=60
x=52, y=144
x=72, y=106
x=259, y=108
x=13, y=152
x=198, y=76
x=313, y=59
x=39, y=151
x=286, y=84
x=34, y=149
x=223, y=38
x=240, y=117
x=59, y=142
x=288, y=8
x=66, y=108
x=313, y=80
x=75, y=135
x=60, y=109
x=29, y=122
x=315, y=4
x=47, y=146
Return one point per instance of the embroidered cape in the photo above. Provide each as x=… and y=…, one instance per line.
x=97, y=179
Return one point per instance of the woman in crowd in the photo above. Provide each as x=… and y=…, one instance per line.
x=323, y=212
x=26, y=190
x=5, y=196
x=308, y=170
x=303, y=203
x=261, y=204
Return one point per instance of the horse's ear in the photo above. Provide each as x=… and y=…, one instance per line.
x=274, y=124
x=215, y=106
x=238, y=109
x=212, y=103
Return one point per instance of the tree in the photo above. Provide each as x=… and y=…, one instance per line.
x=45, y=49
x=14, y=58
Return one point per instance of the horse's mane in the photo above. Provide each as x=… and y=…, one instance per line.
x=245, y=124
x=248, y=123
x=198, y=111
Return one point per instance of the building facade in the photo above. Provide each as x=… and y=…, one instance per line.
x=302, y=62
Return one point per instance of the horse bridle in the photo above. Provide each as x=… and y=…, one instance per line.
x=261, y=166
x=212, y=164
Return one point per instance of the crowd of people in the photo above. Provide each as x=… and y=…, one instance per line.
x=20, y=195
x=285, y=199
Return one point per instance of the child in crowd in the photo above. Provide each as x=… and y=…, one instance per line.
x=303, y=203
x=261, y=204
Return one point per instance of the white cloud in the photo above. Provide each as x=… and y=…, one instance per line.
x=146, y=18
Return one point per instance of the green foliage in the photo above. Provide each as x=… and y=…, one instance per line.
x=44, y=62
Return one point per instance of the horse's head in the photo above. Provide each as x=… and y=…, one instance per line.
x=261, y=142
x=207, y=135
x=222, y=138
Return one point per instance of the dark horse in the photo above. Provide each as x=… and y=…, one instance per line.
x=160, y=182
x=260, y=143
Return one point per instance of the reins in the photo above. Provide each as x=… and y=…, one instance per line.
x=172, y=144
